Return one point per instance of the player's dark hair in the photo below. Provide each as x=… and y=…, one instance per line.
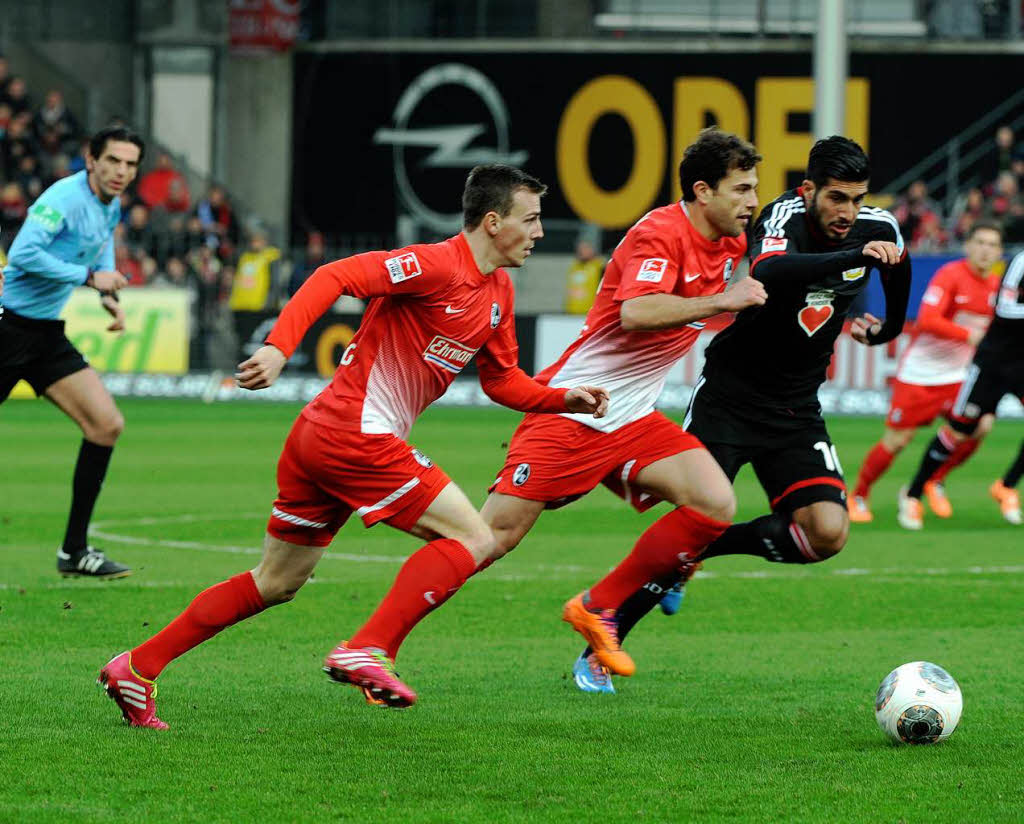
x=711, y=157
x=490, y=188
x=98, y=142
x=837, y=158
x=990, y=225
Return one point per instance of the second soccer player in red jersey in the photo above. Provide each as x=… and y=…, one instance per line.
x=955, y=311
x=433, y=307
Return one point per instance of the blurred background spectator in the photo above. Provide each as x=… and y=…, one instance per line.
x=312, y=257
x=582, y=279
x=255, y=274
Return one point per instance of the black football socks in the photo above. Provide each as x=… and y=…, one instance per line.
x=1016, y=470
x=934, y=456
x=90, y=469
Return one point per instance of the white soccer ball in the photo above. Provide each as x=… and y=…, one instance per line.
x=918, y=703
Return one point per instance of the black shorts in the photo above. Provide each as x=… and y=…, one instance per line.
x=981, y=391
x=36, y=351
x=791, y=454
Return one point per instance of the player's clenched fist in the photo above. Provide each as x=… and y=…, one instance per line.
x=109, y=281
x=587, y=400
x=262, y=369
x=884, y=251
x=743, y=293
x=864, y=327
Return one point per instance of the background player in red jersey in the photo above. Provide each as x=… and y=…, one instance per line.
x=432, y=308
x=955, y=311
x=757, y=399
x=997, y=370
x=664, y=278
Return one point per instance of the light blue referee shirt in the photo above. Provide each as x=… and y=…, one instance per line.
x=68, y=231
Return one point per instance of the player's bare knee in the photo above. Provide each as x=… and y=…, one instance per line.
x=984, y=426
x=827, y=533
x=106, y=430
x=278, y=589
x=480, y=542
x=719, y=504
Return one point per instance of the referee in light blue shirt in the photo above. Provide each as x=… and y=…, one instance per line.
x=68, y=241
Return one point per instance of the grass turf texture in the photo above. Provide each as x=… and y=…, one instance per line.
x=754, y=703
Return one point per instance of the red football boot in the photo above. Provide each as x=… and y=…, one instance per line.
x=370, y=670
x=135, y=695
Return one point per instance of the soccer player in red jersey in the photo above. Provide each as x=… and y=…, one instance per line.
x=668, y=274
x=432, y=308
x=955, y=311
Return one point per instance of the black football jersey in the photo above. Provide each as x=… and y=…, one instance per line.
x=1004, y=341
x=776, y=355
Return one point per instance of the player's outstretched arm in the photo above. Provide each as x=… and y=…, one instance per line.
x=262, y=369
x=665, y=311
x=870, y=330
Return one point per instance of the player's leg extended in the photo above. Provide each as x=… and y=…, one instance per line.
x=876, y=462
x=1004, y=490
x=945, y=443
x=704, y=501
x=459, y=542
x=509, y=518
x=129, y=677
x=84, y=398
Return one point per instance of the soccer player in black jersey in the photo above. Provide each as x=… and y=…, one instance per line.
x=757, y=399
x=997, y=370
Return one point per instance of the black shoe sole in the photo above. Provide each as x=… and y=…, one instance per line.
x=110, y=576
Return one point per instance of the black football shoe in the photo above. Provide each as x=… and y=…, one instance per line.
x=89, y=563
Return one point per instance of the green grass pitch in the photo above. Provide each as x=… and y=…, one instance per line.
x=754, y=703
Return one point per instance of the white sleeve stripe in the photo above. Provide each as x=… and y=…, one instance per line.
x=782, y=211
x=872, y=213
x=1007, y=307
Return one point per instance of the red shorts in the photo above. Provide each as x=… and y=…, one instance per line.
x=913, y=405
x=324, y=475
x=557, y=460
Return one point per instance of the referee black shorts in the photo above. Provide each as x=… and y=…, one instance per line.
x=982, y=389
x=34, y=350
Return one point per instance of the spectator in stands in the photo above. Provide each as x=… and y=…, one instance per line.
x=124, y=262
x=18, y=142
x=154, y=187
x=5, y=119
x=13, y=209
x=312, y=258
x=139, y=237
x=1004, y=150
x=1007, y=206
x=919, y=219
x=582, y=279
x=217, y=217
x=179, y=200
x=255, y=275
x=27, y=174
x=972, y=209
x=16, y=96
x=55, y=121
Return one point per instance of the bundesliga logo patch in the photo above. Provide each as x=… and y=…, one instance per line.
x=403, y=267
x=652, y=270
x=448, y=354
x=774, y=244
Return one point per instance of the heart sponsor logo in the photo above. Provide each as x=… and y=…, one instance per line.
x=817, y=312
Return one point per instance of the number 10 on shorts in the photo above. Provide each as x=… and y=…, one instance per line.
x=830, y=456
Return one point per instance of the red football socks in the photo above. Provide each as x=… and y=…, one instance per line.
x=211, y=610
x=668, y=542
x=428, y=578
x=877, y=461
x=963, y=451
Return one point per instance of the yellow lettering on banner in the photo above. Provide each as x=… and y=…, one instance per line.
x=335, y=335
x=695, y=98
x=611, y=94
x=785, y=151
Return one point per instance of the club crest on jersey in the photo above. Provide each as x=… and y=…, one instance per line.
x=727, y=271
x=448, y=354
x=854, y=274
x=495, y=315
x=774, y=244
x=816, y=313
x=403, y=267
x=422, y=459
x=652, y=270
x=521, y=475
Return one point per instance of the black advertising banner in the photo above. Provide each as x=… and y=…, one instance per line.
x=323, y=345
x=379, y=134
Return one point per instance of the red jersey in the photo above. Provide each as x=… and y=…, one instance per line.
x=431, y=310
x=956, y=301
x=662, y=254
